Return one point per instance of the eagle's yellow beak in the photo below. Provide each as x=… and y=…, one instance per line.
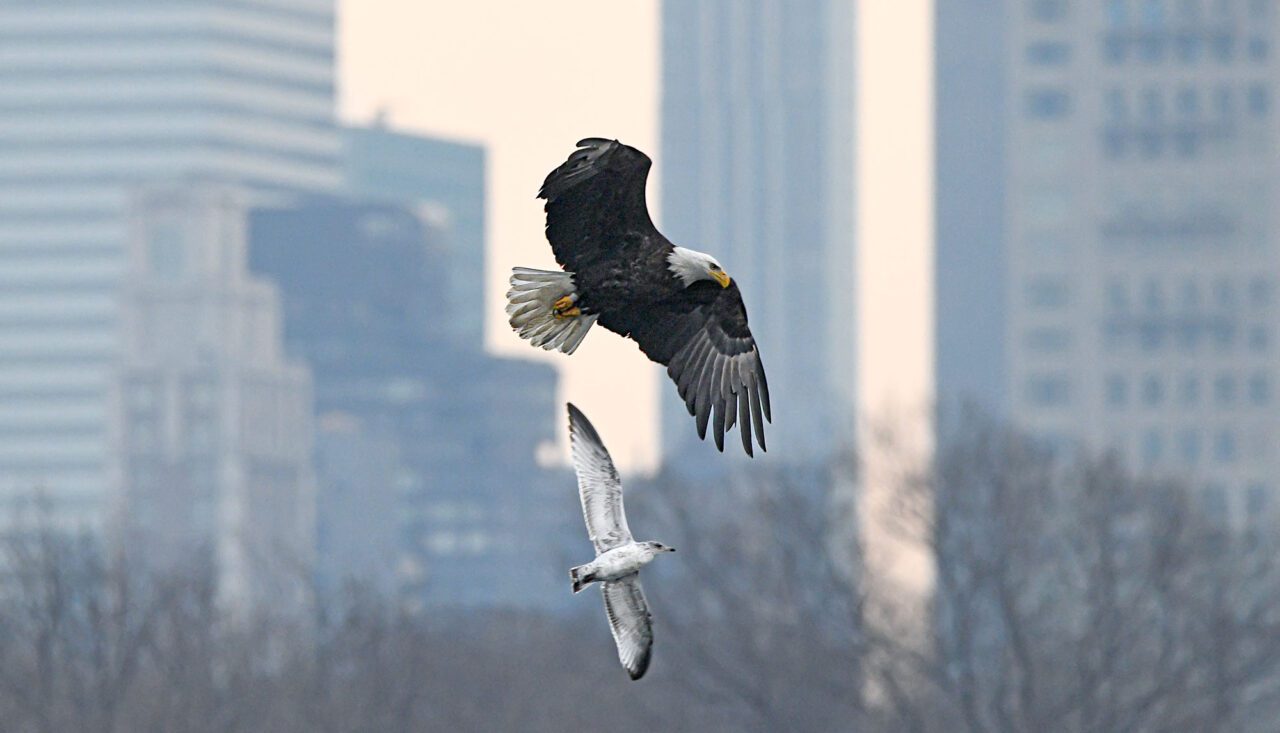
x=721, y=277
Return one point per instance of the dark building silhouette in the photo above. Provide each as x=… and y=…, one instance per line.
x=364, y=288
x=381, y=164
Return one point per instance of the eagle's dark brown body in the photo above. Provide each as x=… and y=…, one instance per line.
x=599, y=228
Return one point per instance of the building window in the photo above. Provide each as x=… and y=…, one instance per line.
x=1190, y=390
x=1151, y=47
x=1048, y=104
x=1224, y=294
x=1047, y=292
x=1188, y=47
x=1224, y=46
x=1048, y=340
x=1259, y=389
x=1152, y=105
x=1224, y=446
x=1152, y=447
x=1223, y=335
x=1189, y=297
x=1260, y=292
x=1152, y=295
x=1258, y=339
x=1048, y=11
x=1189, y=446
x=1258, y=49
x=1152, y=390
x=1258, y=101
x=1151, y=334
x=1256, y=499
x=1114, y=48
x=1048, y=53
x=1188, y=336
x=1224, y=389
x=1117, y=105
x=1117, y=296
x=1048, y=391
x=1224, y=102
x=1117, y=390
x=1113, y=143
x=1188, y=102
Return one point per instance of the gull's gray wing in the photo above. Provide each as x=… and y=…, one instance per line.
x=630, y=622
x=598, y=485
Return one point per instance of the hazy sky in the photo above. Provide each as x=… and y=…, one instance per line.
x=530, y=79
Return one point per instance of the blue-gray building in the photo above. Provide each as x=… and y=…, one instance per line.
x=380, y=164
x=1107, y=250
x=475, y=519
x=96, y=100
x=756, y=165
x=970, y=271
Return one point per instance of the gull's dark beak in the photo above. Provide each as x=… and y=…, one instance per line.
x=671, y=549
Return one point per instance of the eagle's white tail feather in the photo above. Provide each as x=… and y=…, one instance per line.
x=531, y=309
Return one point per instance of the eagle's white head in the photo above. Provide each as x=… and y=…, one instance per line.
x=691, y=266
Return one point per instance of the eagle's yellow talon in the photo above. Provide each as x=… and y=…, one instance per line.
x=564, y=308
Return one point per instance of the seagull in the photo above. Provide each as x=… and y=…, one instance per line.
x=618, y=556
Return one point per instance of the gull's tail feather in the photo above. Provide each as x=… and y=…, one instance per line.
x=579, y=577
x=531, y=309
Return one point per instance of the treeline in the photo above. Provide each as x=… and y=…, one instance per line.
x=1070, y=596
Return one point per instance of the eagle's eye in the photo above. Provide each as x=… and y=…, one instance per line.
x=715, y=268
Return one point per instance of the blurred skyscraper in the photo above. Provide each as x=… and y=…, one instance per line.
x=383, y=165
x=970, y=280
x=1143, y=241
x=213, y=425
x=367, y=303
x=756, y=167
x=95, y=100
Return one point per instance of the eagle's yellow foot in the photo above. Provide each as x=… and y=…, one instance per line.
x=564, y=308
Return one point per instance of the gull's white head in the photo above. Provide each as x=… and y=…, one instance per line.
x=691, y=266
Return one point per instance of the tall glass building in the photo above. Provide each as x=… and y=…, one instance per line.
x=380, y=164
x=970, y=139
x=96, y=99
x=756, y=167
x=1144, y=246
x=453, y=508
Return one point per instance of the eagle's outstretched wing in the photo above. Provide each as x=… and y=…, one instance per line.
x=711, y=356
x=599, y=487
x=594, y=200
x=630, y=622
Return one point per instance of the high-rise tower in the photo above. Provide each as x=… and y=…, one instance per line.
x=96, y=100
x=756, y=167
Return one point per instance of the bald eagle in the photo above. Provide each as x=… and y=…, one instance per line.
x=678, y=304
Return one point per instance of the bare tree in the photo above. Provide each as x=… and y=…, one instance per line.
x=764, y=610
x=1072, y=595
